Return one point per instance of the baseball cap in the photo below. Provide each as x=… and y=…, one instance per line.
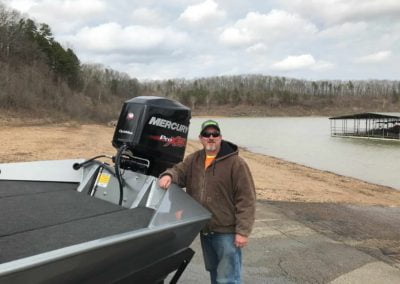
x=209, y=123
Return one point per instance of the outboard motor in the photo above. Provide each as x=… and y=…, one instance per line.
x=151, y=134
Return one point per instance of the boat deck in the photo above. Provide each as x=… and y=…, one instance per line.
x=36, y=217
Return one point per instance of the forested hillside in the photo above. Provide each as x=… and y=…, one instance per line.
x=41, y=76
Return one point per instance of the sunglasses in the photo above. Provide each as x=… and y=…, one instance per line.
x=209, y=134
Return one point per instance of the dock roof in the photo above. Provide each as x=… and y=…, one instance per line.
x=369, y=115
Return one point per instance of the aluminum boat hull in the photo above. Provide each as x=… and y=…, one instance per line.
x=55, y=228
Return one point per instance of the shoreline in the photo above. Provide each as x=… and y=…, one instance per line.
x=275, y=179
x=9, y=117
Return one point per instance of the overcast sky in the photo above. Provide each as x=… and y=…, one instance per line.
x=154, y=39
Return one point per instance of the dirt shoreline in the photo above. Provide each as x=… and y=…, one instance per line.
x=275, y=179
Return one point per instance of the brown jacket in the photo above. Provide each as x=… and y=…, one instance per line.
x=225, y=188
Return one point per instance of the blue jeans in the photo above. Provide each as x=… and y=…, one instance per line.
x=221, y=257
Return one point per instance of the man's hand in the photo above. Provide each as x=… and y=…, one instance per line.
x=165, y=181
x=241, y=241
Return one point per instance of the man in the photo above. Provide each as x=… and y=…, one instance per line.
x=221, y=181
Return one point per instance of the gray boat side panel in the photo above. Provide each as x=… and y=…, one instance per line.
x=41, y=240
x=103, y=261
x=27, y=212
x=177, y=206
x=57, y=170
x=10, y=188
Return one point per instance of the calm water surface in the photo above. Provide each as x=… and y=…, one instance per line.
x=307, y=140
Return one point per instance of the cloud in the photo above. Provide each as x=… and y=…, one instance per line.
x=305, y=61
x=202, y=13
x=62, y=16
x=237, y=37
x=348, y=29
x=374, y=57
x=275, y=25
x=340, y=11
x=146, y=16
x=258, y=48
x=322, y=65
x=112, y=37
x=21, y=5
x=295, y=62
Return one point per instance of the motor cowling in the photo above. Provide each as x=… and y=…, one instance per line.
x=154, y=129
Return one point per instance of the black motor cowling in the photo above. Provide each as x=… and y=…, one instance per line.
x=153, y=129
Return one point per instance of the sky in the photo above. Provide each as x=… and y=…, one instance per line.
x=154, y=39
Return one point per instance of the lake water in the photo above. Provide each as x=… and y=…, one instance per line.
x=307, y=141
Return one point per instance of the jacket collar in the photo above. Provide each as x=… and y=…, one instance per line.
x=227, y=149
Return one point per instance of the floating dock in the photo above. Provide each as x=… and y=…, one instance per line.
x=372, y=125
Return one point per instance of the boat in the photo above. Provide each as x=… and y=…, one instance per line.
x=96, y=221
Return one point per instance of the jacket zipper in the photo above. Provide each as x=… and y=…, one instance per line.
x=204, y=180
x=203, y=187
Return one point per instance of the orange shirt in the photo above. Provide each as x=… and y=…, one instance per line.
x=208, y=161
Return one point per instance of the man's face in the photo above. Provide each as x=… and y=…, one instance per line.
x=211, y=139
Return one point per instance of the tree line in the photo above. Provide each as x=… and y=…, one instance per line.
x=40, y=75
x=272, y=91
